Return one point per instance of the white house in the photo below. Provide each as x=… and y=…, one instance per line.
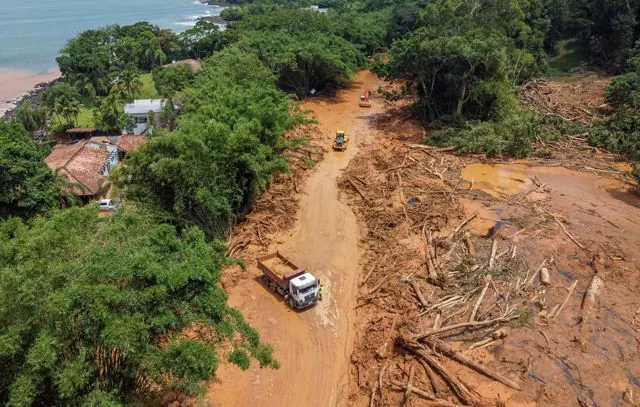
x=139, y=110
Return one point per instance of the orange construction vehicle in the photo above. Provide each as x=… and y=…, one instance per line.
x=365, y=99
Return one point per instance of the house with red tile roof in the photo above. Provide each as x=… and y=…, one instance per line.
x=86, y=164
x=129, y=142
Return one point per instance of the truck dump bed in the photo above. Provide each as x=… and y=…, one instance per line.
x=278, y=268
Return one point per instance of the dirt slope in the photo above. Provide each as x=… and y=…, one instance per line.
x=313, y=346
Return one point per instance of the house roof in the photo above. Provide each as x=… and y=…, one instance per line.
x=80, y=164
x=193, y=63
x=130, y=142
x=143, y=106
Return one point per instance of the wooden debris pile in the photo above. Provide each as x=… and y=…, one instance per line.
x=580, y=100
x=429, y=287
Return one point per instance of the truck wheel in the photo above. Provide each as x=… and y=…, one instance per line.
x=290, y=302
x=272, y=286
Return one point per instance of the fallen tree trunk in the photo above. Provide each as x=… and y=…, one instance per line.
x=475, y=325
x=444, y=348
x=458, y=388
x=472, y=318
x=461, y=225
x=433, y=149
x=431, y=400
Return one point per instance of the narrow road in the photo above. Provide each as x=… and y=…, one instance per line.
x=313, y=346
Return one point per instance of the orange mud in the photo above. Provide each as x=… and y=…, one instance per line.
x=313, y=346
x=587, y=362
x=497, y=180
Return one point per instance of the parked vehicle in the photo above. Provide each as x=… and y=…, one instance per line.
x=107, y=205
x=300, y=288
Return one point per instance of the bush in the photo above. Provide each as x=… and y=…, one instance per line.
x=239, y=358
x=624, y=91
x=512, y=135
x=619, y=134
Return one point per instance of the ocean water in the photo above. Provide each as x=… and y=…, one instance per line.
x=33, y=31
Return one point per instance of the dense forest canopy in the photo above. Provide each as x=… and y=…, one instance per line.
x=92, y=309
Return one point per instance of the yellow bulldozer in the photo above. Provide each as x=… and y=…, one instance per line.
x=340, y=142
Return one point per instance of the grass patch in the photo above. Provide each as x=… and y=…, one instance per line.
x=148, y=89
x=570, y=58
x=85, y=118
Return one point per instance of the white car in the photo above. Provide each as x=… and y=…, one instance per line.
x=107, y=205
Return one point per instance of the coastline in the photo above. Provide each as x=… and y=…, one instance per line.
x=15, y=85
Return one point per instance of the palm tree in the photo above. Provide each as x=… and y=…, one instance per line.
x=131, y=83
x=67, y=107
x=25, y=116
x=85, y=85
x=109, y=115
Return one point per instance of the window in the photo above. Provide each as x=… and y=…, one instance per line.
x=141, y=120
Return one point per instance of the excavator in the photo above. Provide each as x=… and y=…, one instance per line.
x=365, y=99
x=340, y=143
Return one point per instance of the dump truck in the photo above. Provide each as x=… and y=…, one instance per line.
x=340, y=142
x=365, y=99
x=300, y=288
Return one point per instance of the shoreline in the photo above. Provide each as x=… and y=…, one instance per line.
x=16, y=85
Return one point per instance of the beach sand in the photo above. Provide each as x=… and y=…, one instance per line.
x=14, y=84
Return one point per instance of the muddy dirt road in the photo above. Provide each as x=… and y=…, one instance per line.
x=313, y=346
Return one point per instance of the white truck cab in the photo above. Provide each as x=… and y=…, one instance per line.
x=303, y=290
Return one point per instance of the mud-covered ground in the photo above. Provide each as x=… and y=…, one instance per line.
x=573, y=216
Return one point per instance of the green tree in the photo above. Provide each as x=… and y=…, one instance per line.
x=171, y=44
x=127, y=85
x=109, y=116
x=92, y=310
x=27, y=185
x=152, y=54
x=171, y=79
x=224, y=152
x=202, y=40
x=306, y=61
x=33, y=120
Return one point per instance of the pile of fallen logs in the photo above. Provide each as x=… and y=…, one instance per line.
x=432, y=294
x=428, y=284
x=546, y=100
